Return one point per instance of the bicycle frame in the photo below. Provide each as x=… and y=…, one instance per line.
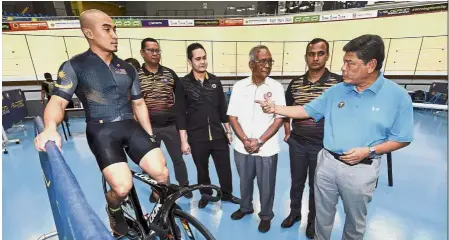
x=160, y=219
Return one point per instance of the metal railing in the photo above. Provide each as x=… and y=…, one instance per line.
x=73, y=216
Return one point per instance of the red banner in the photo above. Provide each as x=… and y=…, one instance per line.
x=28, y=26
x=231, y=22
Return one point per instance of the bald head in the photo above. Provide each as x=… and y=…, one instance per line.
x=99, y=30
x=89, y=17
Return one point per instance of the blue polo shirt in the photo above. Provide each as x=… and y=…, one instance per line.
x=382, y=112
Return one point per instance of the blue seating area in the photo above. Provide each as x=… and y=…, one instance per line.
x=22, y=16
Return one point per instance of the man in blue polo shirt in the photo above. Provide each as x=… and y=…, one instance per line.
x=366, y=116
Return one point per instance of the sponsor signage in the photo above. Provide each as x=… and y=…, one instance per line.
x=429, y=8
x=181, y=23
x=255, y=21
x=336, y=17
x=393, y=12
x=365, y=14
x=128, y=23
x=154, y=23
x=13, y=107
x=311, y=18
x=28, y=26
x=6, y=27
x=206, y=22
x=281, y=20
x=64, y=24
x=231, y=22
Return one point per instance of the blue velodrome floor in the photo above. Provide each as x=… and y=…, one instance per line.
x=415, y=208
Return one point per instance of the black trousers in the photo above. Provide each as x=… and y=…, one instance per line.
x=219, y=150
x=303, y=159
x=170, y=136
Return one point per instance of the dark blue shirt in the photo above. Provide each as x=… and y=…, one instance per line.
x=105, y=91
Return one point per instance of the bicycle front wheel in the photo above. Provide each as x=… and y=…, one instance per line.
x=188, y=227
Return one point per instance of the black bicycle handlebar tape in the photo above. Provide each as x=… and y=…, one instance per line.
x=158, y=230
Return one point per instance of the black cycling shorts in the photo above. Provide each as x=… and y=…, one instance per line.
x=108, y=140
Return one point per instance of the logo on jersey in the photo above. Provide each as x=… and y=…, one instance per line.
x=214, y=86
x=341, y=104
x=120, y=71
x=63, y=76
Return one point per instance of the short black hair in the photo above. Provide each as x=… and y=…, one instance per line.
x=192, y=47
x=143, y=43
x=48, y=76
x=367, y=47
x=318, y=40
x=133, y=63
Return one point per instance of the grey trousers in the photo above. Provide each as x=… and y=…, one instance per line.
x=354, y=184
x=264, y=168
x=170, y=136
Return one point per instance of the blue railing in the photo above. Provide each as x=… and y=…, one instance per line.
x=74, y=218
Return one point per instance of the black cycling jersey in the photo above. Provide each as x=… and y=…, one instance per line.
x=105, y=91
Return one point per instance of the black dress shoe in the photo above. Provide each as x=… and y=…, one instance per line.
x=231, y=199
x=310, y=230
x=202, y=203
x=237, y=215
x=264, y=226
x=290, y=220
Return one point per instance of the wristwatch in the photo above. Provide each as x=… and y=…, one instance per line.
x=260, y=142
x=372, y=152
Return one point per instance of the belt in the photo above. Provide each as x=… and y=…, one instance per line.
x=337, y=156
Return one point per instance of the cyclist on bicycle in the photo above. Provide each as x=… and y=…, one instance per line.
x=109, y=90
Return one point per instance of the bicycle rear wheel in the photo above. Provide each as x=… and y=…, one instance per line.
x=189, y=228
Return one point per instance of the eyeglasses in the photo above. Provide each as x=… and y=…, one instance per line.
x=153, y=51
x=264, y=62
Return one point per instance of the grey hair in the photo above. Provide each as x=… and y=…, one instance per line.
x=253, y=52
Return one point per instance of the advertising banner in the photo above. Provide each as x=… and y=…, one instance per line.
x=28, y=26
x=365, y=14
x=393, y=12
x=128, y=23
x=255, y=21
x=14, y=108
x=304, y=19
x=7, y=118
x=181, y=23
x=64, y=24
x=231, y=22
x=6, y=27
x=336, y=17
x=281, y=20
x=154, y=23
x=429, y=8
x=203, y=22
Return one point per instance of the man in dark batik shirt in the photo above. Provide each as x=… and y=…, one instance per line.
x=305, y=139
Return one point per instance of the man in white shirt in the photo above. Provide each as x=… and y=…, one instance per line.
x=256, y=144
